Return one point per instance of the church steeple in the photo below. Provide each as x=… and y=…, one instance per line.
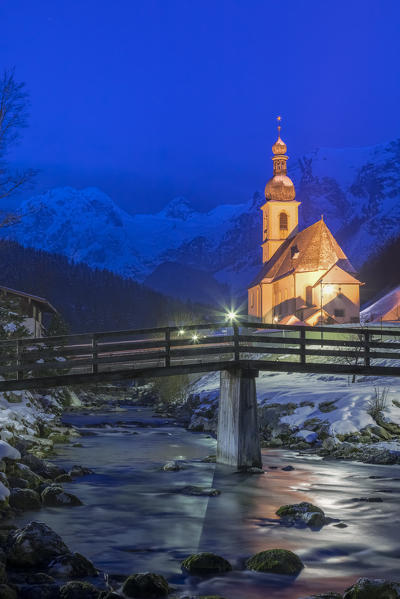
x=280, y=212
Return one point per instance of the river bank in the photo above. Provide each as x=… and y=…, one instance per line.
x=149, y=495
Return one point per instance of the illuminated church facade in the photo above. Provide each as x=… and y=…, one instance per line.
x=306, y=277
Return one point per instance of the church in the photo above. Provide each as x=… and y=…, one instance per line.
x=306, y=278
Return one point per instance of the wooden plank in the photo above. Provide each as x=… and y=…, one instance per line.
x=248, y=349
x=385, y=355
x=200, y=351
x=258, y=339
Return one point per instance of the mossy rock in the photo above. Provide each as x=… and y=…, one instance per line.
x=57, y=437
x=277, y=561
x=381, y=432
x=145, y=586
x=25, y=499
x=79, y=590
x=366, y=588
x=297, y=509
x=204, y=564
x=327, y=406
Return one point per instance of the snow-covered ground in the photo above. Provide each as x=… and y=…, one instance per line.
x=345, y=405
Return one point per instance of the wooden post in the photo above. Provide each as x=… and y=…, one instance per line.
x=238, y=434
x=302, y=346
x=95, y=368
x=367, y=360
x=236, y=341
x=167, y=348
x=20, y=372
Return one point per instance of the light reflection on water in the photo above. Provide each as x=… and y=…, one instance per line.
x=133, y=519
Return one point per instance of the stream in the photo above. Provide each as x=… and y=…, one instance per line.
x=134, y=519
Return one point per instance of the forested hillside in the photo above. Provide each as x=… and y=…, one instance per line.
x=89, y=299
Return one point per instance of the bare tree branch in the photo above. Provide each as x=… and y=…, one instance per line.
x=14, y=102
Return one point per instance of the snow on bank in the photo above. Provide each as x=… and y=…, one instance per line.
x=331, y=399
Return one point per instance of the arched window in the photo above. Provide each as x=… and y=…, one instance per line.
x=283, y=221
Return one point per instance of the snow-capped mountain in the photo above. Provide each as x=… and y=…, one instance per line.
x=356, y=189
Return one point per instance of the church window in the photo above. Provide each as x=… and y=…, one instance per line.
x=339, y=312
x=283, y=221
x=251, y=298
x=309, y=295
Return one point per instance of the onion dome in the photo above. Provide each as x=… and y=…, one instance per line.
x=279, y=146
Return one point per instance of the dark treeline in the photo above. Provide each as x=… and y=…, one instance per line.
x=381, y=272
x=88, y=299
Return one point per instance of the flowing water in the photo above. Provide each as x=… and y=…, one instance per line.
x=134, y=519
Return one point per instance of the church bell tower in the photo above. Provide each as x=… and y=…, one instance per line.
x=280, y=211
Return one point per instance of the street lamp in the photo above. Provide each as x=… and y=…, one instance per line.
x=231, y=315
x=328, y=289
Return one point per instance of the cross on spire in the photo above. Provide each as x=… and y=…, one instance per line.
x=279, y=118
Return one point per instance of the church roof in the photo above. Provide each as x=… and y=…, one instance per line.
x=310, y=250
x=337, y=276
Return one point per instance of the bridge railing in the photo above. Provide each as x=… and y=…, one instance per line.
x=197, y=345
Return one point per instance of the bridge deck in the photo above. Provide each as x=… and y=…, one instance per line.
x=88, y=358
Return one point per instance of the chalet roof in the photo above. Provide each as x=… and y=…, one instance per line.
x=46, y=305
x=310, y=250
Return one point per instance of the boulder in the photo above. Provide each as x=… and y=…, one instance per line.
x=57, y=497
x=377, y=588
x=71, y=565
x=277, y=561
x=63, y=478
x=23, y=471
x=330, y=443
x=34, y=545
x=302, y=512
x=41, y=467
x=204, y=564
x=145, y=586
x=77, y=471
x=79, y=590
x=25, y=499
x=172, y=466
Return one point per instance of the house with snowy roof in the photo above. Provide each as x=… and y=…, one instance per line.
x=32, y=307
x=385, y=309
x=306, y=277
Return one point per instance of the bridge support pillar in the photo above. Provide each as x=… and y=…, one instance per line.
x=238, y=434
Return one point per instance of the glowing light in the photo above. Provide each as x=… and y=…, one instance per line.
x=276, y=319
x=328, y=288
x=231, y=315
x=195, y=338
x=181, y=331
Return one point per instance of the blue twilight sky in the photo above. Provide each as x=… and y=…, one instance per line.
x=152, y=99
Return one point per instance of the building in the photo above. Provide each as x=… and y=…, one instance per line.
x=385, y=309
x=32, y=307
x=306, y=277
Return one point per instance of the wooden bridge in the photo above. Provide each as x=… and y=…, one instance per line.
x=238, y=350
